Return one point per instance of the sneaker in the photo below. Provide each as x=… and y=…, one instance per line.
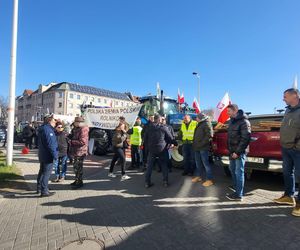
x=234, y=197
x=296, y=210
x=207, y=183
x=232, y=188
x=196, y=179
x=61, y=179
x=287, y=200
x=148, y=185
x=112, y=175
x=125, y=177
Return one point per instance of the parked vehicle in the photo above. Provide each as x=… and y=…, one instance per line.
x=264, y=149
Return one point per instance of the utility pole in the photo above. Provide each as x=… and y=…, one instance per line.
x=12, y=89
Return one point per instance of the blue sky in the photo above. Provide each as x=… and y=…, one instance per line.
x=250, y=48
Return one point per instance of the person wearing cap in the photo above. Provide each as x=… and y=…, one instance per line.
x=60, y=166
x=47, y=153
x=157, y=138
x=201, y=145
x=186, y=133
x=78, y=142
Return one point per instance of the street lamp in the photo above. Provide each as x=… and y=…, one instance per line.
x=198, y=76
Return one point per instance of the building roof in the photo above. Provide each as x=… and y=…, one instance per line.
x=89, y=90
x=27, y=92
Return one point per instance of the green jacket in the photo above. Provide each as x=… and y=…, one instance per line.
x=290, y=128
x=203, y=135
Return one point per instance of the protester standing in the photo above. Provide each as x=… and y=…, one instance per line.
x=171, y=130
x=186, y=134
x=201, y=145
x=47, y=153
x=238, y=139
x=118, y=143
x=78, y=142
x=290, y=143
x=157, y=138
x=144, y=146
x=28, y=134
x=60, y=166
x=135, y=141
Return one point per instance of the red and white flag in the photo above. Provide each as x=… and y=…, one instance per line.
x=220, y=114
x=196, y=106
x=180, y=98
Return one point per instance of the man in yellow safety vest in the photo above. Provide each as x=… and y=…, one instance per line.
x=136, y=142
x=186, y=134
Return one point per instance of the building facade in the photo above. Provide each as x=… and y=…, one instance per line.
x=65, y=99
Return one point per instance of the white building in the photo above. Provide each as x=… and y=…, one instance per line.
x=65, y=99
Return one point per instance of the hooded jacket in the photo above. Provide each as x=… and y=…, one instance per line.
x=290, y=128
x=203, y=135
x=239, y=133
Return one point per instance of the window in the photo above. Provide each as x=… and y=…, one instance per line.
x=78, y=97
x=122, y=104
x=71, y=105
x=60, y=94
x=71, y=95
x=60, y=104
x=116, y=103
x=105, y=101
x=99, y=100
x=92, y=99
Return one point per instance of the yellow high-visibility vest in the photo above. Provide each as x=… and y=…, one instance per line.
x=188, y=133
x=136, y=137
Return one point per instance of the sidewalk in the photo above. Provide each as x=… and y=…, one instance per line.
x=125, y=215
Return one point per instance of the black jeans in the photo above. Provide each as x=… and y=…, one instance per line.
x=163, y=158
x=119, y=154
x=135, y=156
x=28, y=142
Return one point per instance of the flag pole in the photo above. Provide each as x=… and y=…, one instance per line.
x=12, y=89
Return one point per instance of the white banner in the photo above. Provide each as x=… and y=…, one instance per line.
x=108, y=118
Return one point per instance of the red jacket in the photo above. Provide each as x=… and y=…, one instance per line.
x=79, y=141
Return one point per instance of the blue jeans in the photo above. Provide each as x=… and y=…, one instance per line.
x=60, y=166
x=291, y=168
x=202, y=162
x=188, y=158
x=163, y=158
x=237, y=169
x=43, y=177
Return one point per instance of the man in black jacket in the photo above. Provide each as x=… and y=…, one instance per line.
x=238, y=139
x=157, y=138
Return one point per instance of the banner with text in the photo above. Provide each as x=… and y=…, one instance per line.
x=108, y=118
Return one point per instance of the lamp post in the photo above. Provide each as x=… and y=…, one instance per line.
x=198, y=76
x=12, y=90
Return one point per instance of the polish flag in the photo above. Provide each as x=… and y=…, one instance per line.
x=180, y=98
x=220, y=114
x=196, y=106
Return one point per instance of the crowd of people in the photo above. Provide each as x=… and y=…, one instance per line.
x=151, y=144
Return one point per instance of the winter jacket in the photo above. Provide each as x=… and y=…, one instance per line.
x=48, y=147
x=79, y=142
x=157, y=137
x=239, y=134
x=62, y=143
x=118, y=139
x=203, y=135
x=28, y=131
x=290, y=128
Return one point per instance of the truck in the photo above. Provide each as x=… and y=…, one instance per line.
x=264, y=148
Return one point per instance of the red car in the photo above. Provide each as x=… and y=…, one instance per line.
x=264, y=149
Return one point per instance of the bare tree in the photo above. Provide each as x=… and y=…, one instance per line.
x=3, y=109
